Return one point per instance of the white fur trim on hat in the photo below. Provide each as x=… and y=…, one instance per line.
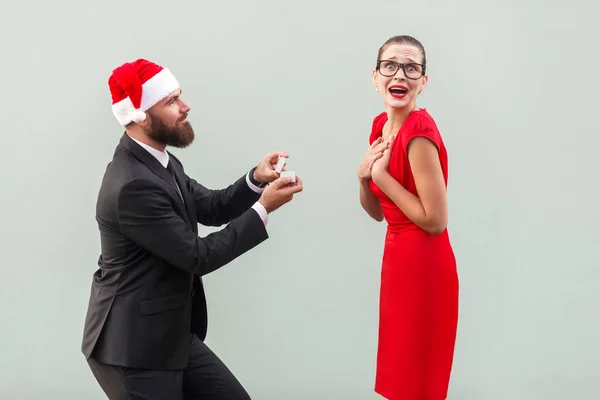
x=153, y=90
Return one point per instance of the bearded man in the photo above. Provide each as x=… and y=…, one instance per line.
x=147, y=319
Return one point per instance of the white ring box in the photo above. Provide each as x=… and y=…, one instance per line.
x=280, y=164
x=279, y=167
x=289, y=173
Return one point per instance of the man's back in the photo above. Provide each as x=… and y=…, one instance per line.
x=147, y=296
x=143, y=302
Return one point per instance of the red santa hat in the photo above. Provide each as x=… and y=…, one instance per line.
x=136, y=86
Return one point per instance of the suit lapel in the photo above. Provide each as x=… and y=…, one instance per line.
x=156, y=167
x=187, y=197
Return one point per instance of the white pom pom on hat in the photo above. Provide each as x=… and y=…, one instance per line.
x=138, y=116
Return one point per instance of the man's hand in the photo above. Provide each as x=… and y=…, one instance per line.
x=279, y=192
x=265, y=171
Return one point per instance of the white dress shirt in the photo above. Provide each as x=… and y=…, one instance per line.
x=163, y=158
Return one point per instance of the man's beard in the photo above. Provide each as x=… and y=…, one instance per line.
x=181, y=135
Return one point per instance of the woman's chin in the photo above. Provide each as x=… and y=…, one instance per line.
x=398, y=104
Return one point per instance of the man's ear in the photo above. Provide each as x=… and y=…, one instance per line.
x=145, y=122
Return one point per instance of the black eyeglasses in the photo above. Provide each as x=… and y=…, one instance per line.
x=390, y=68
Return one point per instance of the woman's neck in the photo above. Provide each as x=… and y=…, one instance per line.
x=395, y=119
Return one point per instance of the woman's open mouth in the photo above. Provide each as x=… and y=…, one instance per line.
x=398, y=91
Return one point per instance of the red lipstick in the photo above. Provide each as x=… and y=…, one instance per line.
x=398, y=91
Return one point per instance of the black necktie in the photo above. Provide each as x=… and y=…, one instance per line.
x=172, y=172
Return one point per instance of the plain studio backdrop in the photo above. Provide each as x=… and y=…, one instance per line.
x=513, y=88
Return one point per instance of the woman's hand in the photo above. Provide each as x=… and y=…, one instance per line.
x=375, y=152
x=381, y=164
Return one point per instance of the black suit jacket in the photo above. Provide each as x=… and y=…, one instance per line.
x=147, y=295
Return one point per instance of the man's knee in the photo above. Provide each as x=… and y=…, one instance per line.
x=207, y=377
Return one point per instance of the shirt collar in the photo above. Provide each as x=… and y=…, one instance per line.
x=161, y=156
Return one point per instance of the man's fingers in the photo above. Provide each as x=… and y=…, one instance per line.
x=285, y=184
x=299, y=182
x=298, y=186
x=281, y=181
x=273, y=156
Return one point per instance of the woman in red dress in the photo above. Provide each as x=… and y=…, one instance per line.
x=403, y=180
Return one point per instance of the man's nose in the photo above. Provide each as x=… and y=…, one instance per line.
x=185, y=107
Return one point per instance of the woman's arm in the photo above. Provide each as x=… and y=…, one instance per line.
x=430, y=209
x=369, y=202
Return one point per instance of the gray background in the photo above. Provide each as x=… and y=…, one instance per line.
x=514, y=91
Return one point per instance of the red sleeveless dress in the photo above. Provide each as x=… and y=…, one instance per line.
x=418, y=310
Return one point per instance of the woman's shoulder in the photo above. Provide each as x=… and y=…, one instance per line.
x=380, y=118
x=422, y=121
x=377, y=126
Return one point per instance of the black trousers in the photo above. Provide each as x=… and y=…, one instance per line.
x=205, y=378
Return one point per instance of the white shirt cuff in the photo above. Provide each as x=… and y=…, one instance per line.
x=252, y=185
x=262, y=212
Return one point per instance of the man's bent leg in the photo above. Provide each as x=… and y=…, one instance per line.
x=208, y=378
x=120, y=383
